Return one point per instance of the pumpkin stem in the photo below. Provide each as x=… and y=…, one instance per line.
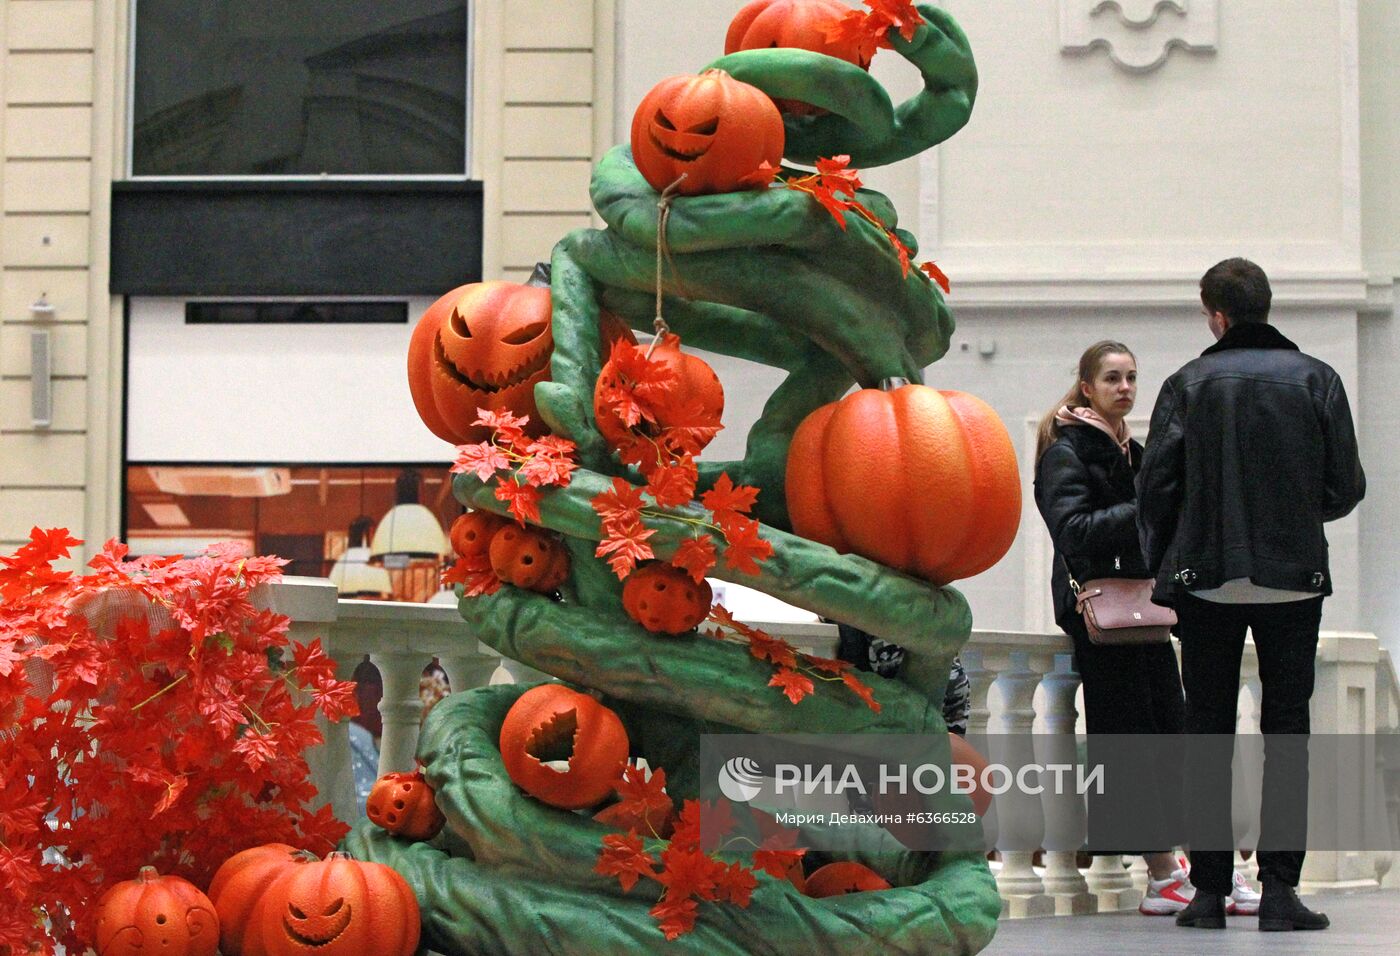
x=147, y=874
x=892, y=383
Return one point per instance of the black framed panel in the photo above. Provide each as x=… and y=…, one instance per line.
x=282, y=238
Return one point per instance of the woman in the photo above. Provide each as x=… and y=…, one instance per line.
x=1086, y=461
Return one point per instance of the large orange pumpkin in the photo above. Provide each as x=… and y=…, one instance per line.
x=918, y=479
x=238, y=888
x=472, y=532
x=800, y=24
x=664, y=599
x=838, y=879
x=337, y=907
x=485, y=345
x=563, y=747
x=712, y=128
x=156, y=914
x=529, y=558
x=405, y=805
x=697, y=385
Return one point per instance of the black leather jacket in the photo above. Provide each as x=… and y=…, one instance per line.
x=1084, y=490
x=1251, y=449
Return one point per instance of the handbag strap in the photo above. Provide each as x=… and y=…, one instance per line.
x=1073, y=584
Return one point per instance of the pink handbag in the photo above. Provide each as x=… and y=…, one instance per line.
x=1120, y=611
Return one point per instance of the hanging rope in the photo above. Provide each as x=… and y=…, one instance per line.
x=663, y=252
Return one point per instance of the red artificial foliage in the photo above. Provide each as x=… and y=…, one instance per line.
x=169, y=746
x=868, y=31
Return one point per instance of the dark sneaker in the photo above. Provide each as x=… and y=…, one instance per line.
x=1280, y=911
x=1205, y=911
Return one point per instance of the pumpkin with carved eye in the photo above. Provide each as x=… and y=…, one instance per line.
x=529, y=558
x=404, y=804
x=472, y=532
x=838, y=879
x=712, y=128
x=336, y=907
x=485, y=345
x=799, y=24
x=562, y=747
x=664, y=599
x=156, y=914
x=239, y=885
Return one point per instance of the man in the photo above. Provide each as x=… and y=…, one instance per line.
x=1251, y=450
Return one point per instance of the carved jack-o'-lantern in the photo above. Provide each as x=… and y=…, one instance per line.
x=338, y=907
x=529, y=558
x=838, y=879
x=156, y=914
x=800, y=24
x=239, y=885
x=485, y=345
x=563, y=747
x=472, y=532
x=665, y=599
x=404, y=804
x=712, y=128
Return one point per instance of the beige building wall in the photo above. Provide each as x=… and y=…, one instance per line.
x=542, y=74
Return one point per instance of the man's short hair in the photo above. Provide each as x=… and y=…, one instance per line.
x=1239, y=289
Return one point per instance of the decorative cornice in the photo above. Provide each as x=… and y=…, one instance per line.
x=1032, y=292
x=1139, y=35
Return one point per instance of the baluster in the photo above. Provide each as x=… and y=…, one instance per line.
x=1063, y=812
x=1020, y=823
x=331, y=765
x=400, y=709
x=1139, y=874
x=979, y=681
x=468, y=670
x=1110, y=883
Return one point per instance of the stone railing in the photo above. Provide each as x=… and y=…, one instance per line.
x=1025, y=693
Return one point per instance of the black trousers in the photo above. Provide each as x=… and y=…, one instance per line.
x=1132, y=690
x=1212, y=642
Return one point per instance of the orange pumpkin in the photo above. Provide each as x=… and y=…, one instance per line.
x=800, y=24
x=965, y=754
x=917, y=479
x=405, y=805
x=838, y=879
x=485, y=345
x=529, y=558
x=711, y=128
x=696, y=382
x=156, y=914
x=664, y=599
x=337, y=907
x=239, y=885
x=563, y=747
x=472, y=532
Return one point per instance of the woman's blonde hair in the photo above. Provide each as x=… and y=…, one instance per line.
x=1089, y=365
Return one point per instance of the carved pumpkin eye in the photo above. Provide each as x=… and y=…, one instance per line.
x=706, y=128
x=525, y=333
x=664, y=121
x=296, y=913
x=335, y=907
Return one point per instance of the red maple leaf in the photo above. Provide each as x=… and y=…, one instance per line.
x=828, y=664
x=861, y=690
x=931, y=269
x=627, y=545
x=483, y=459
x=736, y=884
x=685, y=871
x=674, y=484
x=676, y=916
x=765, y=647
x=508, y=428
x=696, y=556
x=623, y=857
x=851, y=31
x=703, y=824
x=621, y=506
x=745, y=548
x=795, y=685
x=778, y=852
x=837, y=176
x=726, y=498
x=762, y=177
x=475, y=574
x=541, y=471
x=524, y=501
x=896, y=13
x=551, y=446
x=646, y=793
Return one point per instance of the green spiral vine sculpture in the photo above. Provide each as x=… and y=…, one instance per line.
x=771, y=278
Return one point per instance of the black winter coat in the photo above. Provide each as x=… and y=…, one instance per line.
x=1251, y=449
x=1084, y=490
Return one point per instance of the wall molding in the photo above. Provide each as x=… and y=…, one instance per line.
x=1139, y=35
x=1350, y=291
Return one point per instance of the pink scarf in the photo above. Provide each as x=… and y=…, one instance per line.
x=1087, y=416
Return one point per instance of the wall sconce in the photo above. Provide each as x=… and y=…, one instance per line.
x=409, y=532
x=353, y=575
x=41, y=307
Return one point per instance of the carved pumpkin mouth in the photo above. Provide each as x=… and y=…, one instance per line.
x=319, y=930
x=552, y=743
x=506, y=379
x=683, y=145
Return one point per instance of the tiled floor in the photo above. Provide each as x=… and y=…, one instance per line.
x=1362, y=923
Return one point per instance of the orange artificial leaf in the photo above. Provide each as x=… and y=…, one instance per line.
x=861, y=690
x=896, y=13
x=483, y=459
x=508, y=428
x=828, y=664
x=622, y=856
x=836, y=175
x=736, y=884
x=775, y=650
x=674, y=484
x=725, y=497
x=931, y=269
x=762, y=177
x=676, y=916
x=745, y=548
x=695, y=556
x=475, y=574
x=852, y=29
x=795, y=685
x=524, y=501
x=621, y=506
x=649, y=793
x=625, y=546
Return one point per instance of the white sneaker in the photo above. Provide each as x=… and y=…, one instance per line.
x=1169, y=896
x=1243, y=899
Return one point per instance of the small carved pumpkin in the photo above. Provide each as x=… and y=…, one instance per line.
x=239, y=885
x=712, y=128
x=800, y=24
x=156, y=914
x=529, y=558
x=472, y=532
x=563, y=747
x=664, y=599
x=697, y=386
x=838, y=879
x=485, y=345
x=920, y=480
x=405, y=805
x=338, y=907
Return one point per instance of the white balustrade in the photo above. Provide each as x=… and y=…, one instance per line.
x=1021, y=682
